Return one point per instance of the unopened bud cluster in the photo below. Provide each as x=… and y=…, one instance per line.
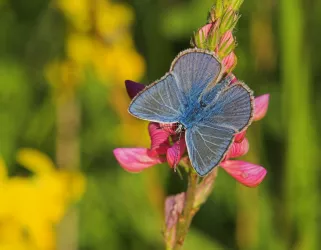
x=217, y=34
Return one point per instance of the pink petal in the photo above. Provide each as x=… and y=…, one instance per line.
x=205, y=29
x=261, y=105
x=240, y=136
x=133, y=88
x=169, y=127
x=248, y=174
x=175, y=153
x=233, y=78
x=227, y=40
x=159, y=139
x=229, y=62
x=136, y=159
x=238, y=149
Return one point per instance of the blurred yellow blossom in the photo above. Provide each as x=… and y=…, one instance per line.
x=118, y=63
x=30, y=207
x=80, y=48
x=64, y=76
x=77, y=12
x=99, y=39
x=112, y=18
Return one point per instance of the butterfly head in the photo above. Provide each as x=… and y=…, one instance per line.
x=180, y=128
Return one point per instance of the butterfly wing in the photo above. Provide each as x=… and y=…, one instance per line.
x=194, y=70
x=209, y=140
x=160, y=102
x=165, y=101
x=206, y=145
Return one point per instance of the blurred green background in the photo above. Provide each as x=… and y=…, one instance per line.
x=63, y=105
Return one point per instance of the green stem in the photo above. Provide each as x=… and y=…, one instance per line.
x=67, y=154
x=188, y=212
x=205, y=188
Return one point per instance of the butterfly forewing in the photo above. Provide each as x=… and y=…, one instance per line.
x=193, y=94
x=161, y=102
x=194, y=70
x=166, y=100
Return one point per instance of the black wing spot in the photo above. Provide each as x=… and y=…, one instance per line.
x=203, y=104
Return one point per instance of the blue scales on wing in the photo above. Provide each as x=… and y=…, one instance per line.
x=195, y=70
x=210, y=109
x=166, y=100
x=160, y=102
x=209, y=140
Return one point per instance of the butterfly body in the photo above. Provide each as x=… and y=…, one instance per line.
x=192, y=115
x=206, y=106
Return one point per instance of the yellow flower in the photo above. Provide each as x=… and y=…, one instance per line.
x=77, y=11
x=108, y=46
x=80, y=48
x=64, y=76
x=30, y=207
x=117, y=63
x=112, y=20
x=99, y=38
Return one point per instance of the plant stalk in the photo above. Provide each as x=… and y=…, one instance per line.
x=186, y=217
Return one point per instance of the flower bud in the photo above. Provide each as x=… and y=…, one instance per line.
x=229, y=62
x=200, y=37
x=236, y=4
x=218, y=9
x=226, y=45
x=229, y=20
x=213, y=36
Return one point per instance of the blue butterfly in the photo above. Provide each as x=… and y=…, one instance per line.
x=195, y=95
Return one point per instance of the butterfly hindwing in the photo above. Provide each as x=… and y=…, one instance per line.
x=207, y=144
x=209, y=140
x=211, y=109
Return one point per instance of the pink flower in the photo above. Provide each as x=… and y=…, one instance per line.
x=261, y=104
x=226, y=44
x=166, y=145
x=248, y=174
x=161, y=150
x=206, y=29
x=136, y=159
x=223, y=46
x=229, y=62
